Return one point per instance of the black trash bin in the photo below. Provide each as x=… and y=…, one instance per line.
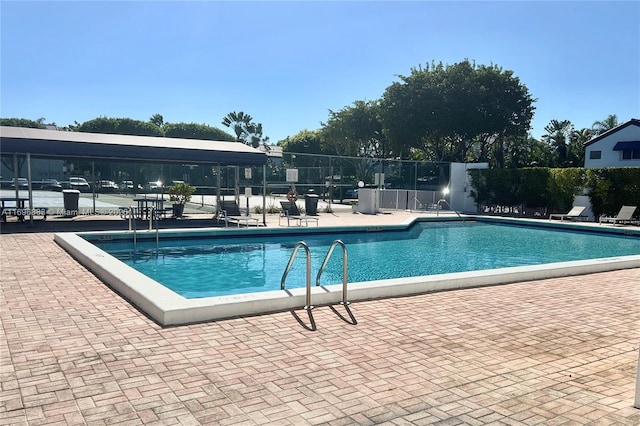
x=71, y=198
x=311, y=203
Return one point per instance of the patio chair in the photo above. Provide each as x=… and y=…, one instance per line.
x=574, y=213
x=290, y=212
x=229, y=210
x=624, y=216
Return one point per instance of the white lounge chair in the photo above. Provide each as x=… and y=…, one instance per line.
x=624, y=216
x=574, y=213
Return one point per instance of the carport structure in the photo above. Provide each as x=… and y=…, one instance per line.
x=47, y=144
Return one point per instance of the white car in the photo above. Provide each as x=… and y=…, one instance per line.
x=78, y=183
x=126, y=185
x=154, y=186
x=23, y=183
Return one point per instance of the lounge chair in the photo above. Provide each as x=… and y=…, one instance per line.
x=574, y=213
x=290, y=212
x=229, y=210
x=624, y=216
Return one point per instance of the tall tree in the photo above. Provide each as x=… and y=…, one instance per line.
x=355, y=131
x=246, y=130
x=304, y=142
x=575, y=154
x=558, y=136
x=605, y=125
x=457, y=112
x=157, y=119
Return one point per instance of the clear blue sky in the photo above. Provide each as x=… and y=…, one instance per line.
x=288, y=63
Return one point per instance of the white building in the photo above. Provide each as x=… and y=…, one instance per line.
x=618, y=147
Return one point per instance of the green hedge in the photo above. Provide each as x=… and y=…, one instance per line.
x=608, y=189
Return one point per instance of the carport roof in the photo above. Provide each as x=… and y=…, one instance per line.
x=56, y=143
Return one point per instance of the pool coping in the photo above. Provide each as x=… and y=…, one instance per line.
x=168, y=308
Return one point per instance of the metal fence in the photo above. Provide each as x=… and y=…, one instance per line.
x=333, y=177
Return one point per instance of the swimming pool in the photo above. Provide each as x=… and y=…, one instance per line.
x=207, y=267
x=168, y=308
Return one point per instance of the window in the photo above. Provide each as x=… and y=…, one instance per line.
x=595, y=155
x=631, y=154
x=630, y=149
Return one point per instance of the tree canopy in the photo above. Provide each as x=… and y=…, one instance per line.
x=195, y=131
x=306, y=141
x=354, y=131
x=119, y=126
x=605, y=125
x=23, y=122
x=457, y=112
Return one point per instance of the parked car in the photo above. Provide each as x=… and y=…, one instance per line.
x=126, y=186
x=154, y=186
x=78, y=183
x=107, y=186
x=51, y=185
x=23, y=183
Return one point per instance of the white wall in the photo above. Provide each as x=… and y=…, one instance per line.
x=460, y=186
x=611, y=158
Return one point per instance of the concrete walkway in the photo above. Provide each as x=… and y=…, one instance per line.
x=557, y=351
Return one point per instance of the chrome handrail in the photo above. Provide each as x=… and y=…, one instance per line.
x=308, y=305
x=345, y=267
x=154, y=214
x=445, y=201
x=135, y=236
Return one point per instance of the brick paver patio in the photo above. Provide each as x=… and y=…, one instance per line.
x=557, y=351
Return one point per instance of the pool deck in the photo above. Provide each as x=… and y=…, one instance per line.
x=555, y=351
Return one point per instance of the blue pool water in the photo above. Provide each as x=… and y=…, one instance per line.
x=218, y=266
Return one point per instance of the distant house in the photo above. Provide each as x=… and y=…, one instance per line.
x=618, y=147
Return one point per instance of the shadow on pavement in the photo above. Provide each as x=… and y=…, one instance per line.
x=96, y=223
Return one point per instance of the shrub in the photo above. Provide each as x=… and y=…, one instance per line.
x=608, y=189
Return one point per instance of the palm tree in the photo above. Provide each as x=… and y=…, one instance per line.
x=575, y=154
x=605, y=125
x=557, y=134
x=239, y=122
x=247, y=132
x=157, y=119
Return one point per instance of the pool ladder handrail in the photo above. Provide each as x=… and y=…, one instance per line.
x=447, y=203
x=345, y=268
x=154, y=218
x=308, y=305
x=132, y=227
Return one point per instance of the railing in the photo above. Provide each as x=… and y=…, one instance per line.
x=308, y=305
x=345, y=263
x=153, y=216
x=132, y=227
x=445, y=201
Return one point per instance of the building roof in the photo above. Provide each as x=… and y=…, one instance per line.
x=632, y=122
x=55, y=143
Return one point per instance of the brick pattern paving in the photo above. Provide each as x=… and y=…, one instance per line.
x=557, y=351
